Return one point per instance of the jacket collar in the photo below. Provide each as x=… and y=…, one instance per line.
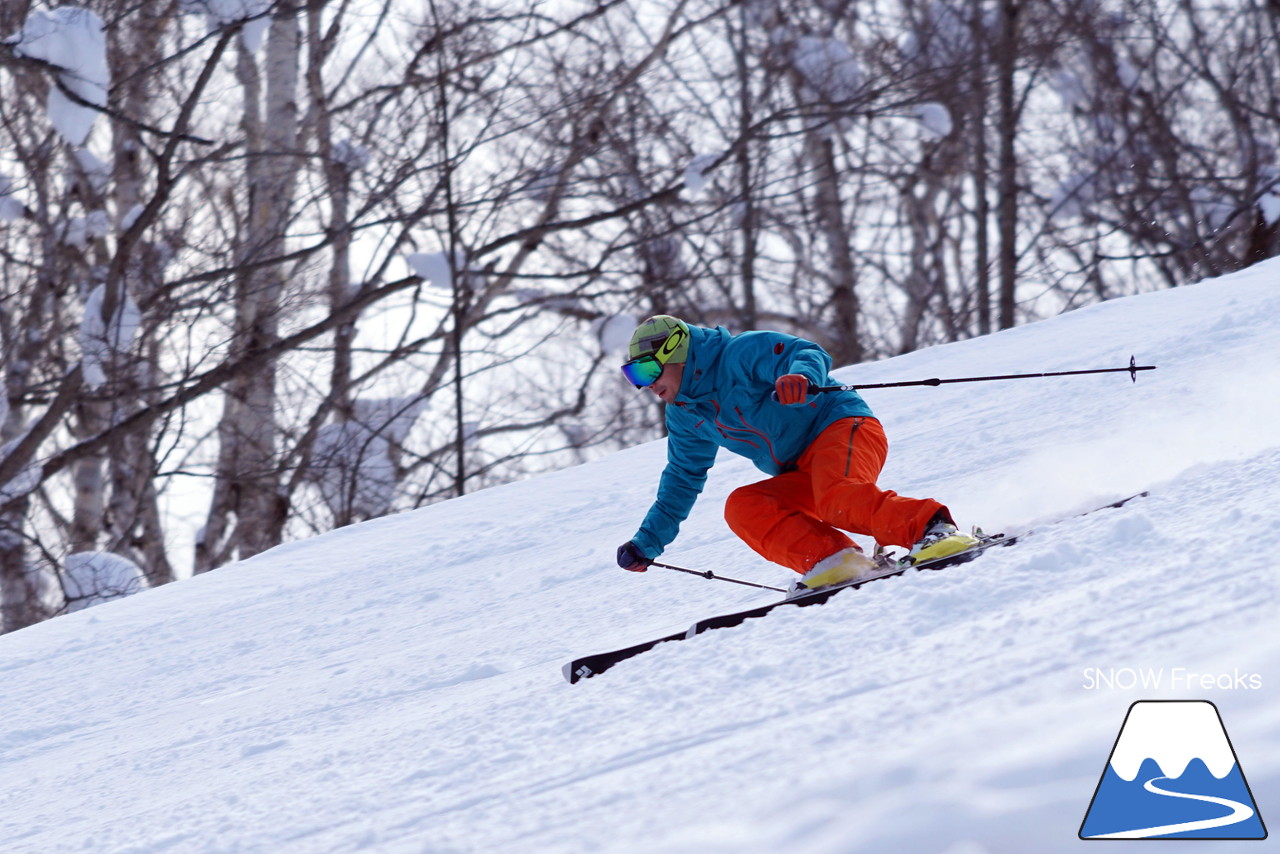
x=705, y=348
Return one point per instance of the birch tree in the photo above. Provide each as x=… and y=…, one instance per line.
x=278, y=267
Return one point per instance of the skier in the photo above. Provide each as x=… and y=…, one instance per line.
x=750, y=393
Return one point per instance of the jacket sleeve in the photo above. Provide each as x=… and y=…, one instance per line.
x=765, y=356
x=689, y=457
x=809, y=359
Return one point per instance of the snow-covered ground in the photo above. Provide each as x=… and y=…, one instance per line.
x=396, y=686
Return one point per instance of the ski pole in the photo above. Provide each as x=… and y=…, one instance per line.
x=1132, y=371
x=709, y=574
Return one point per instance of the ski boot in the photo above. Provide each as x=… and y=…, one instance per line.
x=941, y=539
x=844, y=565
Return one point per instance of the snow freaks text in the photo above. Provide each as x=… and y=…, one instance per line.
x=1168, y=678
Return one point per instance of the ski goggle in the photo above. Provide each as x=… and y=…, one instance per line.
x=642, y=372
x=645, y=370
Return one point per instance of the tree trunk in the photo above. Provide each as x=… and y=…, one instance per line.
x=982, y=214
x=846, y=349
x=1007, y=207
x=750, y=248
x=133, y=510
x=248, y=493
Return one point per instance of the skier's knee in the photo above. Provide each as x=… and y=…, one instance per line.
x=743, y=506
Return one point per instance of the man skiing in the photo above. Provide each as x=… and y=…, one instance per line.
x=750, y=393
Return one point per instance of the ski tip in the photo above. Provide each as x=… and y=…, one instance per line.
x=572, y=673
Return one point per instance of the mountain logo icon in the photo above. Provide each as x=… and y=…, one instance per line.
x=1172, y=774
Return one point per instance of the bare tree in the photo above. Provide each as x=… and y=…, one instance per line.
x=302, y=266
x=1171, y=158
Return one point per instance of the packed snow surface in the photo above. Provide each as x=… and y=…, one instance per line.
x=396, y=686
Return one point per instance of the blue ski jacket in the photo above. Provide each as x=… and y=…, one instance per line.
x=725, y=401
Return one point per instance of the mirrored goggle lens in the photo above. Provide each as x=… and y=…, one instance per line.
x=642, y=372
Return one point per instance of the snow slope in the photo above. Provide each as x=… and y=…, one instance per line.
x=396, y=686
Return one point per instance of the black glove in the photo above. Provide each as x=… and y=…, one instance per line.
x=631, y=559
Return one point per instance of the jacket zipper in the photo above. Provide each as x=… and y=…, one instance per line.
x=767, y=442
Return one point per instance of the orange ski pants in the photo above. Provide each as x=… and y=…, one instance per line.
x=793, y=518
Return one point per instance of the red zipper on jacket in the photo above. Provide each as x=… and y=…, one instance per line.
x=767, y=441
x=725, y=430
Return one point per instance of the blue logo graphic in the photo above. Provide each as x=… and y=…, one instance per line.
x=1173, y=774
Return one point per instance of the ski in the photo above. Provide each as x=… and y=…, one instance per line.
x=597, y=663
x=593, y=665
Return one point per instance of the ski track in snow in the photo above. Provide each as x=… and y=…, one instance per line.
x=395, y=686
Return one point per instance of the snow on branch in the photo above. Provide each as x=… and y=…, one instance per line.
x=224, y=13
x=1269, y=206
x=71, y=39
x=436, y=269
x=350, y=155
x=935, y=120
x=614, y=332
x=10, y=208
x=829, y=67
x=91, y=578
x=354, y=461
x=696, y=174
x=99, y=339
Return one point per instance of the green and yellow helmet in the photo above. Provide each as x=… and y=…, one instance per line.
x=650, y=336
x=657, y=341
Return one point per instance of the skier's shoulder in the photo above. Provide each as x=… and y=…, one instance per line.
x=763, y=338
